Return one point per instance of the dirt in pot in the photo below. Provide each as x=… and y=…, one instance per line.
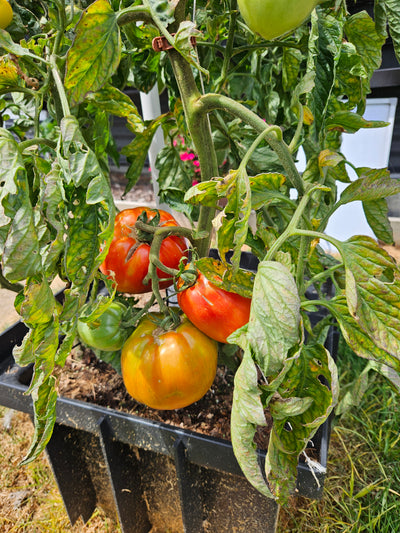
x=86, y=378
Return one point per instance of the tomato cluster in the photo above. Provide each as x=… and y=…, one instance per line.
x=172, y=368
x=127, y=261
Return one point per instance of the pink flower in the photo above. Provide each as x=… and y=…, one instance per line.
x=187, y=156
x=196, y=163
x=195, y=182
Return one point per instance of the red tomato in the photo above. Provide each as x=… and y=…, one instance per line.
x=168, y=369
x=215, y=311
x=127, y=261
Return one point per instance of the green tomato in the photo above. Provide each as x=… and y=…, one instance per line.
x=106, y=332
x=272, y=18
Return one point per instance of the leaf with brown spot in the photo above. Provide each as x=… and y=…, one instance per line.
x=95, y=54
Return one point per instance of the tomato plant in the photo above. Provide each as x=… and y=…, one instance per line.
x=243, y=107
x=6, y=14
x=127, y=260
x=215, y=311
x=168, y=369
x=273, y=18
x=106, y=332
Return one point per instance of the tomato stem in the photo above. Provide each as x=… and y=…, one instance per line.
x=134, y=14
x=210, y=102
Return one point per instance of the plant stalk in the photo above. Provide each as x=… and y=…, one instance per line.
x=210, y=102
x=200, y=132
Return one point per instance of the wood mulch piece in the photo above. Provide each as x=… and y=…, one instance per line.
x=86, y=378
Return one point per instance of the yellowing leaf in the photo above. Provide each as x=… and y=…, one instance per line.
x=95, y=53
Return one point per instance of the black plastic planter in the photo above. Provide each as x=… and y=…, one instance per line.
x=150, y=474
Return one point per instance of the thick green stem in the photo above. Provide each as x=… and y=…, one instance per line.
x=200, y=132
x=133, y=14
x=37, y=140
x=210, y=102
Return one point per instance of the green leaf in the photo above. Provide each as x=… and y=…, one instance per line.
x=247, y=414
x=44, y=403
x=136, y=151
x=373, y=184
x=39, y=303
x=373, y=291
x=19, y=244
x=274, y=316
x=174, y=178
x=95, y=53
x=306, y=397
x=53, y=206
x=291, y=62
x=376, y=213
x=392, y=9
x=324, y=52
x=358, y=339
x=163, y=10
x=239, y=204
x=115, y=102
x=13, y=48
x=350, y=122
x=88, y=230
x=265, y=189
x=361, y=32
x=204, y=193
x=78, y=162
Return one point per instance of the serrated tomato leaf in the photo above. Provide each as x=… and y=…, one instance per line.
x=373, y=291
x=95, y=54
x=225, y=276
x=358, y=339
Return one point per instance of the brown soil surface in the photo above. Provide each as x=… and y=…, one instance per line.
x=86, y=378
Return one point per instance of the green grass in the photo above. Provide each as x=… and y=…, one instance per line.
x=362, y=488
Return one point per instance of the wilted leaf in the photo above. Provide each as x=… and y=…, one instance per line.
x=247, y=414
x=306, y=397
x=373, y=291
x=20, y=243
x=358, y=339
x=274, y=317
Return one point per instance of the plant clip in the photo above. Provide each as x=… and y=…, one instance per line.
x=160, y=43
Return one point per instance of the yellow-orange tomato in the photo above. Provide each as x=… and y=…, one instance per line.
x=168, y=369
x=6, y=14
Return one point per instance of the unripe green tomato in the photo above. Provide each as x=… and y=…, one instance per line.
x=273, y=18
x=6, y=14
x=106, y=332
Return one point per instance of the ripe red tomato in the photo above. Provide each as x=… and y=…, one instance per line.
x=168, y=369
x=215, y=311
x=273, y=18
x=127, y=261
